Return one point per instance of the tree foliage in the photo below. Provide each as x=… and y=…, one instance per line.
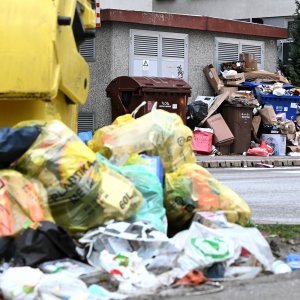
x=294, y=67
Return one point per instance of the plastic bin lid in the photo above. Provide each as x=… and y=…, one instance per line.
x=149, y=84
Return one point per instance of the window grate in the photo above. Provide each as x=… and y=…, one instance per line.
x=172, y=47
x=86, y=121
x=145, y=45
x=228, y=52
x=88, y=50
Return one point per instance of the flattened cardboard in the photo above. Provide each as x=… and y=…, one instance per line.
x=255, y=124
x=222, y=133
x=218, y=101
x=213, y=78
x=264, y=76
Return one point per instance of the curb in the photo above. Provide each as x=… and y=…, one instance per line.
x=242, y=162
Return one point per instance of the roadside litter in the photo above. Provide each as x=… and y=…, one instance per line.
x=134, y=217
x=252, y=105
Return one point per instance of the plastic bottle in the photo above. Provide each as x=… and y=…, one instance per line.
x=280, y=267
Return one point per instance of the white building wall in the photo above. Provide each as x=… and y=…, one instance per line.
x=228, y=9
x=139, y=5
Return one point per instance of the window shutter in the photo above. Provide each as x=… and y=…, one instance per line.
x=145, y=45
x=86, y=122
x=228, y=50
x=87, y=49
x=144, y=49
x=173, y=47
x=174, y=56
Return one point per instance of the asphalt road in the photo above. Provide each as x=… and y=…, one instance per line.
x=272, y=194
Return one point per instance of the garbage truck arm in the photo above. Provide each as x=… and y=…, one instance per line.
x=42, y=74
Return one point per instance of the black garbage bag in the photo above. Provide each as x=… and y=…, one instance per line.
x=6, y=246
x=196, y=112
x=45, y=243
x=268, y=128
x=14, y=142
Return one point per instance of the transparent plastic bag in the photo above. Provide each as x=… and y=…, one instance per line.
x=23, y=201
x=192, y=188
x=158, y=133
x=152, y=210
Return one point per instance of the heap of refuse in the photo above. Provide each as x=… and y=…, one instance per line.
x=130, y=213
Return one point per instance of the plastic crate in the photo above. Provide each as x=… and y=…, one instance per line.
x=252, y=86
x=282, y=104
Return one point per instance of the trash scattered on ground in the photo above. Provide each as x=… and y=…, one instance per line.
x=136, y=217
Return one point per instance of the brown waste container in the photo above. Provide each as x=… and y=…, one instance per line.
x=127, y=93
x=239, y=120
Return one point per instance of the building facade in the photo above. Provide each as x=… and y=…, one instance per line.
x=170, y=45
x=269, y=12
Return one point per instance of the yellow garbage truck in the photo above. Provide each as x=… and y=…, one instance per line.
x=42, y=74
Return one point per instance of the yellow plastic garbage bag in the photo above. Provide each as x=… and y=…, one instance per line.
x=96, y=143
x=23, y=201
x=82, y=192
x=159, y=133
x=192, y=188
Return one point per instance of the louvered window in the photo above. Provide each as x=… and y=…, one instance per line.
x=228, y=50
x=159, y=54
x=173, y=47
x=87, y=50
x=145, y=45
x=86, y=122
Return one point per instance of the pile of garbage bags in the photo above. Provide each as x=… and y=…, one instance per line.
x=127, y=213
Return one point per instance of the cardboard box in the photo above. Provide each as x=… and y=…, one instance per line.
x=222, y=133
x=230, y=89
x=234, y=80
x=268, y=115
x=213, y=78
x=277, y=141
x=250, y=61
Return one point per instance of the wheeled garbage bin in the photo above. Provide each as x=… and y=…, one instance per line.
x=239, y=120
x=127, y=93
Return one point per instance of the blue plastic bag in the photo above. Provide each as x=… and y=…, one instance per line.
x=152, y=211
x=85, y=136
